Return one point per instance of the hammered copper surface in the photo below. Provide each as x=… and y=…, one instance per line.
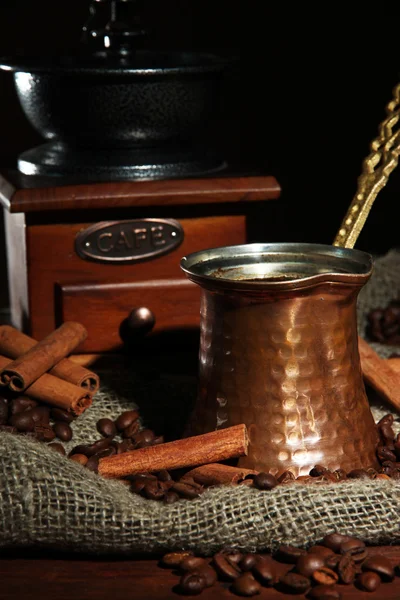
x=286, y=364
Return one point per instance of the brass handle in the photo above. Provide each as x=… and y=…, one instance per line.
x=377, y=167
x=141, y=320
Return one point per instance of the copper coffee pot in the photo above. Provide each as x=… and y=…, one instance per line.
x=279, y=344
x=279, y=352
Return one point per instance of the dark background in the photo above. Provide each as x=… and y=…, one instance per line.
x=303, y=99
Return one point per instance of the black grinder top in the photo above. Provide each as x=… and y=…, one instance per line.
x=116, y=111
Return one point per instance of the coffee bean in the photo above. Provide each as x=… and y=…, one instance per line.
x=163, y=475
x=350, y=544
x=318, y=470
x=369, y=581
x=22, y=421
x=153, y=491
x=79, y=458
x=325, y=576
x=3, y=411
x=247, y=562
x=21, y=404
x=58, y=414
x=130, y=431
x=208, y=573
x=97, y=446
x=57, y=448
x=106, y=428
x=190, y=563
x=171, y=497
x=333, y=541
x=106, y=452
x=286, y=477
x=384, y=453
x=306, y=565
x=174, y=559
x=126, y=418
x=265, y=481
x=145, y=436
x=346, y=569
x=246, y=585
x=381, y=565
x=357, y=553
x=289, y=554
x=226, y=568
x=63, y=431
x=387, y=433
x=192, y=584
x=295, y=583
x=324, y=592
x=93, y=464
x=44, y=432
x=187, y=491
x=40, y=414
x=265, y=571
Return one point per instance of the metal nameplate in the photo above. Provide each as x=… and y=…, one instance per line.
x=128, y=241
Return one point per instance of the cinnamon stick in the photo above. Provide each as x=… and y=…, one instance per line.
x=13, y=343
x=40, y=357
x=217, y=474
x=379, y=375
x=56, y=392
x=210, y=447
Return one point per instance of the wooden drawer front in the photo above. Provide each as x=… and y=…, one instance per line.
x=102, y=308
x=52, y=260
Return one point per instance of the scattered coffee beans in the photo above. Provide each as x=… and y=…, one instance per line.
x=126, y=418
x=265, y=481
x=58, y=414
x=369, y=581
x=57, y=448
x=63, y=431
x=246, y=585
x=107, y=428
x=192, y=584
x=79, y=458
x=290, y=570
x=295, y=583
x=379, y=564
x=174, y=559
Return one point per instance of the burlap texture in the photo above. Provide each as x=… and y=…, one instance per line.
x=49, y=501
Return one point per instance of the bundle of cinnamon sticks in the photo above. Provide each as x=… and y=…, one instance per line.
x=41, y=370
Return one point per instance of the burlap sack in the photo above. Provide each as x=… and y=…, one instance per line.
x=49, y=501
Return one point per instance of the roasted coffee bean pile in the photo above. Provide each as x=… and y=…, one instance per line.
x=25, y=416
x=318, y=572
x=384, y=324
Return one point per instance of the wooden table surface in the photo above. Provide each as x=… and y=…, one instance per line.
x=57, y=577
